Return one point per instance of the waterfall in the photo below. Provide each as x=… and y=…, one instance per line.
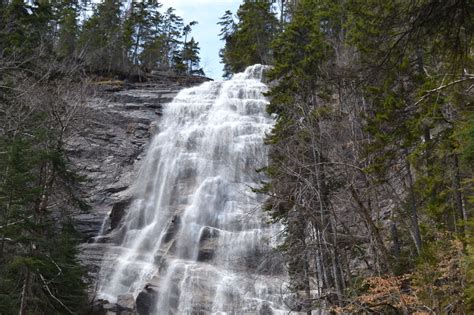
x=195, y=235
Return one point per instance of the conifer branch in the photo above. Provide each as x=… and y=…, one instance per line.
x=53, y=296
x=442, y=87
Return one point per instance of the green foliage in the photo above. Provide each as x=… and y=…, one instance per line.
x=116, y=39
x=191, y=59
x=469, y=261
x=248, y=41
x=32, y=245
x=24, y=28
x=101, y=38
x=399, y=73
x=38, y=267
x=160, y=45
x=53, y=271
x=67, y=15
x=140, y=27
x=466, y=138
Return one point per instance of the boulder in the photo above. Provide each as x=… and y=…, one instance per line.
x=126, y=302
x=97, y=307
x=109, y=307
x=146, y=301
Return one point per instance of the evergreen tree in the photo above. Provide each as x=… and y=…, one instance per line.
x=25, y=28
x=191, y=59
x=228, y=27
x=101, y=38
x=67, y=14
x=247, y=42
x=171, y=29
x=408, y=118
x=187, y=30
x=140, y=27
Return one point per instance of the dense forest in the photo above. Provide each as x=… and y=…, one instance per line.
x=52, y=54
x=372, y=155
x=371, y=158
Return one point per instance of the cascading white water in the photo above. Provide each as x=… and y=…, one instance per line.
x=195, y=232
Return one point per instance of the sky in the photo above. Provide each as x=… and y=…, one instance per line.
x=207, y=13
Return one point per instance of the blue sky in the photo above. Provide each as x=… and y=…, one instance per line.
x=207, y=13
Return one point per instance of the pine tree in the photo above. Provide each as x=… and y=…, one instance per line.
x=140, y=27
x=25, y=28
x=171, y=29
x=191, y=59
x=101, y=38
x=66, y=16
x=248, y=41
x=228, y=27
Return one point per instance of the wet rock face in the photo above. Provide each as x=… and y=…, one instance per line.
x=106, y=151
x=118, y=211
x=207, y=244
x=172, y=229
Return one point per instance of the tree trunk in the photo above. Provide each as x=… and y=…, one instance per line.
x=24, y=293
x=366, y=216
x=298, y=258
x=414, y=209
x=282, y=12
x=137, y=44
x=396, y=241
x=461, y=210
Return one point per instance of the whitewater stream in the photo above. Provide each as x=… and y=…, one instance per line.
x=194, y=237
